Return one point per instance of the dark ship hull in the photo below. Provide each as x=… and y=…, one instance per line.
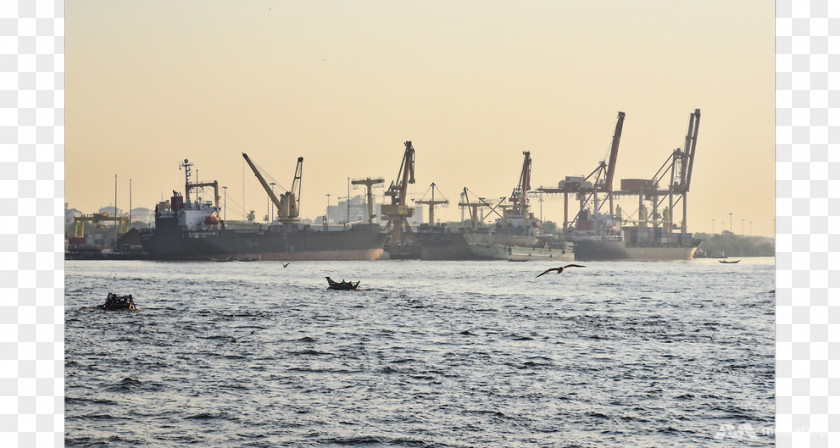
x=437, y=246
x=443, y=246
x=278, y=242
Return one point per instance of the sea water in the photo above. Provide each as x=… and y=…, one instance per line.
x=423, y=354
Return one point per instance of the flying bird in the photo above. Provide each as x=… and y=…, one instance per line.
x=286, y=264
x=560, y=269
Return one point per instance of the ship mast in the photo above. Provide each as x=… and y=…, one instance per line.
x=186, y=165
x=431, y=203
x=369, y=183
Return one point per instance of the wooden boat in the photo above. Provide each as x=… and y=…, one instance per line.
x=729, y=262
x=342, y=285
x=115, y=302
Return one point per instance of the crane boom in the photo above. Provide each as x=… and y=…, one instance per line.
x=619, y=125
x=696, y=116
x=519, y=197
x=405, y=176
x=288, y=205
x=293, y=194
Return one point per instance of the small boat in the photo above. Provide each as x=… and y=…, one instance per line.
x=729, y=262
x=342, y=285
x=115, y=302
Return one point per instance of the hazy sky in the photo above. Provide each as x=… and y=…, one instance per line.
x=471, y=83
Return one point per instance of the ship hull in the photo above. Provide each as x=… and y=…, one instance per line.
x=596, y=250
x=167, y=242
x=443, y=246
x=432, y=245
x=514, y=248
x=520, y=253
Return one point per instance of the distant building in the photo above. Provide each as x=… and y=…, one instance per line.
x=358, y=212
x=70, y=215
x=340, y=213
x=143, y=215
x=111, y=211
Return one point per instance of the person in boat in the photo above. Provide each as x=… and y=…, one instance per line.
x=109, y=301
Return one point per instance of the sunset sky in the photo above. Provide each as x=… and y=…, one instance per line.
x=471, y=83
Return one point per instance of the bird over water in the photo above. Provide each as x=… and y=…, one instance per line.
x=560, y=269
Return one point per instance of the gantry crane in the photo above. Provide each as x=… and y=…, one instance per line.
x=288, y=205
x=587, y=189
x=369, y=183
x=678, y=167
x=397, y=213
x=432, y=203
x=120, y=221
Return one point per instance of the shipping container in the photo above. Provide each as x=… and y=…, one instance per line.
x=636, y=184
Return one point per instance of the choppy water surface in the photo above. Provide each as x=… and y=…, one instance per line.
x=434, y=354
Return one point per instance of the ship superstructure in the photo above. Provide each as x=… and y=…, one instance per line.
x=516, y=234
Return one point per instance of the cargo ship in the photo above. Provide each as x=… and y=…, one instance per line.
x=517, y=247
x=516, y=235
x=191, y=230
x=600, y=236
x=438, y=242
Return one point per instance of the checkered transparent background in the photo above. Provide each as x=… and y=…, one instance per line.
x=807, y=206
x=32, y=196
x=31, y=223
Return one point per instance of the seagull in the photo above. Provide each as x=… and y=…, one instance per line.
x=560, y=269
x=286, y=264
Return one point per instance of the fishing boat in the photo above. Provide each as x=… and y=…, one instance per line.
x=115, y=302
x=728, y=262
x=342, y=285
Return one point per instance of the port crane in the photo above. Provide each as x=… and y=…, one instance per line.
x=677, y=168
x=397, y=213
x=288, y=204
x=519, y=196
x=602, y=180
x=432, y=203
x=369, y=183
x=120, y=221
x=473, y=207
